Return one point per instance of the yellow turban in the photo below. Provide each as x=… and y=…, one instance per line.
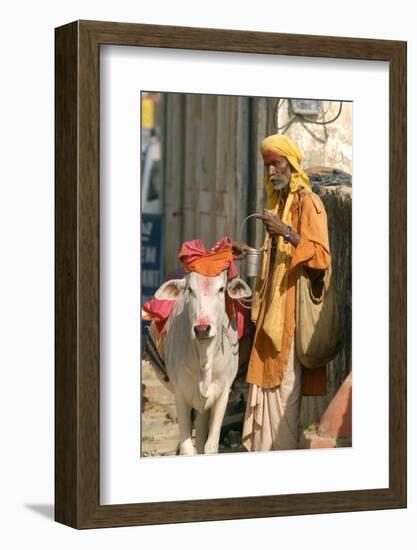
x=279, y=145
x=273, y=147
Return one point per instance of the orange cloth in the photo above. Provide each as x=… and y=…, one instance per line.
x=314, y=381
x=267, y=365
x=210, y=263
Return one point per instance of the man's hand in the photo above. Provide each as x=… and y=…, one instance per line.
x=239, y=250
x=273, y=224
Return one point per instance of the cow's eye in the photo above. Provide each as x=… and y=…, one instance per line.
x=221, y=289
x=190, y=290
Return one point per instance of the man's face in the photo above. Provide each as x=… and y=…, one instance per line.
x=279, y=173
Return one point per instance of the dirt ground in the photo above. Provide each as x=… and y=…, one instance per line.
x=159, y=420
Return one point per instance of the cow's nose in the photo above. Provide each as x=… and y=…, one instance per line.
x=202, y=331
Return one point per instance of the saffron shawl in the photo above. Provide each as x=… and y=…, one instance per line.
x=273, y=326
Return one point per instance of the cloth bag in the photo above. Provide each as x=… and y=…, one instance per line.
x=318, y=335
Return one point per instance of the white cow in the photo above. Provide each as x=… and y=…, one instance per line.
x=201, y=353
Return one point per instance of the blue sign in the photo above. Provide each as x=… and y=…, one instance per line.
x=152, y=254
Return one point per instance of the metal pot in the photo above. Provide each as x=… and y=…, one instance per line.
x=252, y=262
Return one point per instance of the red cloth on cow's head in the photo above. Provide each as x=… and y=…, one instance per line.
x=157, y=311
x=195, y=257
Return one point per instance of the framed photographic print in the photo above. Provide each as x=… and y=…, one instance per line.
x=183, y=154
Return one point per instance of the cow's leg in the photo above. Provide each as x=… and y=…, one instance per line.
x=216, y=419
x=201, y=430
x=184, y=425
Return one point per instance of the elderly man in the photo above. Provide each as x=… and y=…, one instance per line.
x=296, y=233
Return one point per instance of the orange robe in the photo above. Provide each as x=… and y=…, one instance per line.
x=266, y=365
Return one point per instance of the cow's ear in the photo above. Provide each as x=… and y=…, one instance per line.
x=237, y=288
x=171, y=290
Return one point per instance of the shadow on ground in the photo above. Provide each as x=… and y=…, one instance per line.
x=45, y=510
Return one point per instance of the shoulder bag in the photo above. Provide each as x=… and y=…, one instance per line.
x=317, y=335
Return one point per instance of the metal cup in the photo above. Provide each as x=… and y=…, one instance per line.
x=252, y=262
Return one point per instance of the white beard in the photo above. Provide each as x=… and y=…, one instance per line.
x=276, y=186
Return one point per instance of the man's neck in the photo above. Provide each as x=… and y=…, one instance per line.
x=283, y=193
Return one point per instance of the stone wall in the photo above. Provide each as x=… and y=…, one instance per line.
x=322, y=142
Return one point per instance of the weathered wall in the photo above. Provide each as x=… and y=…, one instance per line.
x=322, y=144
x=206, y=169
